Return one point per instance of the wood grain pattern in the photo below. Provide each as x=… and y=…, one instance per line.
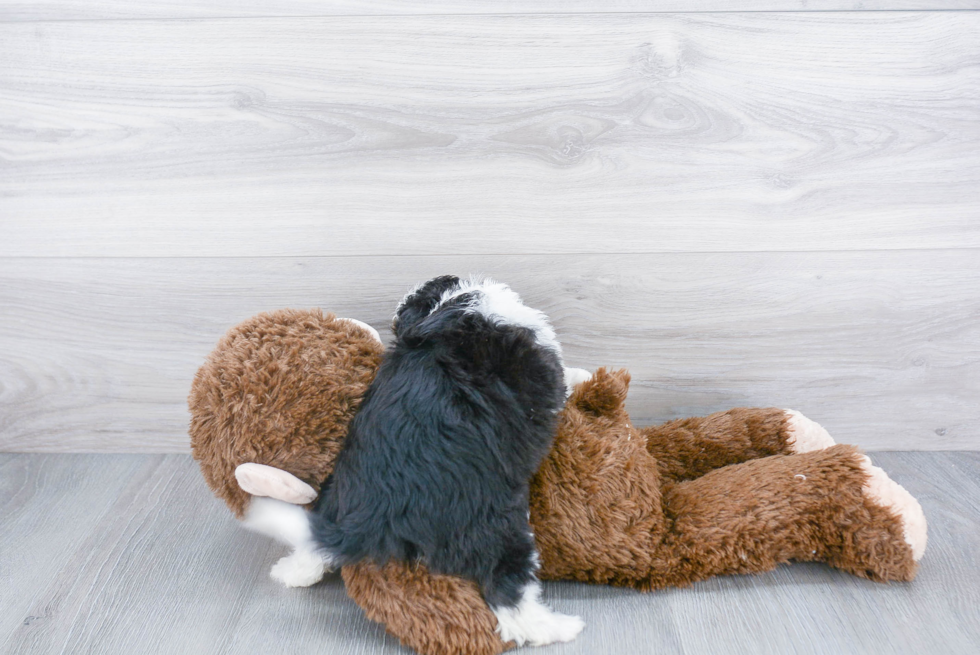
x=881, y=347
x=490, y=134
x=129, y=553
x=47, y=506
x=162, y=569
x=20, y=10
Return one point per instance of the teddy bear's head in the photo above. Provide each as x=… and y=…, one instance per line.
x=272, y=402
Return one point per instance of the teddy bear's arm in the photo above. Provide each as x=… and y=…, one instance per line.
x=689, y=448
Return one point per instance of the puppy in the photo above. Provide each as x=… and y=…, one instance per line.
x=438, y=458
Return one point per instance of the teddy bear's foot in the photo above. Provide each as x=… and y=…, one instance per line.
x=301, y=569
x=534, y=623
x=887, y=493
x=806, y=435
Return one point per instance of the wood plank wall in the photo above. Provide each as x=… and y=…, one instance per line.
x=773, y=206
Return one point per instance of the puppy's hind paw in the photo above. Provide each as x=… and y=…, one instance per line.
x=301, y=569
x=559, y=627
x=538, y=627
x=534, y=623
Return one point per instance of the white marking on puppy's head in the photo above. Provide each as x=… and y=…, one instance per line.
x=501, y=304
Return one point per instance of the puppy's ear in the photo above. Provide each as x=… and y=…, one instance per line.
x=420, y=302
x=443, y=321
x=604, y=394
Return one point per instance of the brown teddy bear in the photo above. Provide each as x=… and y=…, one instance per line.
x=734, y=492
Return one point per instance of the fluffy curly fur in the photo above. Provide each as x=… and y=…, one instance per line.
x=733, y=492
x=437, y=461
x=662, y=506
x=279, y=389
x=677, y=503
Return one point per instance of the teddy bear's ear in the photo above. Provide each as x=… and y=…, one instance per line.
x=604, y=394
x=262, y=480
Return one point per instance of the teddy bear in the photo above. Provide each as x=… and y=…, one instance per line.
x=739, y=491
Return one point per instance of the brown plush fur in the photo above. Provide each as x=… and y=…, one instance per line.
x=279, y=389
x=749, y=517
x=662, y=506
x=596, y=500
x=432, y=614
x=688, y=448
x=676, y=503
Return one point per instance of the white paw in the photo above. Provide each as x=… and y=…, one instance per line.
x=575, y=377
x=558, y=628
x=806, y=435
x=534, y=623
x=301, y=569
x=887, y=493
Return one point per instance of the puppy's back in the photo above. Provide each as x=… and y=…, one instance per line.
x=438, y=459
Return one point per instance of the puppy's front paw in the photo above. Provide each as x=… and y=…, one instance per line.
x=575, y=377
x=301, y=569
x=806, y=435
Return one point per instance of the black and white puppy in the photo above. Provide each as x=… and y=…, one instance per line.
x=437, y=461
x=468, y=415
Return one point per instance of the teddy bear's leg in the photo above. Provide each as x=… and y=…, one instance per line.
x=887, y=493
x=828, y=505
x=432, y=614
x=805, y=435
x=289, y=524
x=688, y=448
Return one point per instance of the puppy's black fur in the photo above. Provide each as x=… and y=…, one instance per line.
x=437, y=460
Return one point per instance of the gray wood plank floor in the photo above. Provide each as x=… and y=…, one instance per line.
x=131, y=554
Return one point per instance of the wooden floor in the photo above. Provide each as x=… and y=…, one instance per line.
x=131, y=554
